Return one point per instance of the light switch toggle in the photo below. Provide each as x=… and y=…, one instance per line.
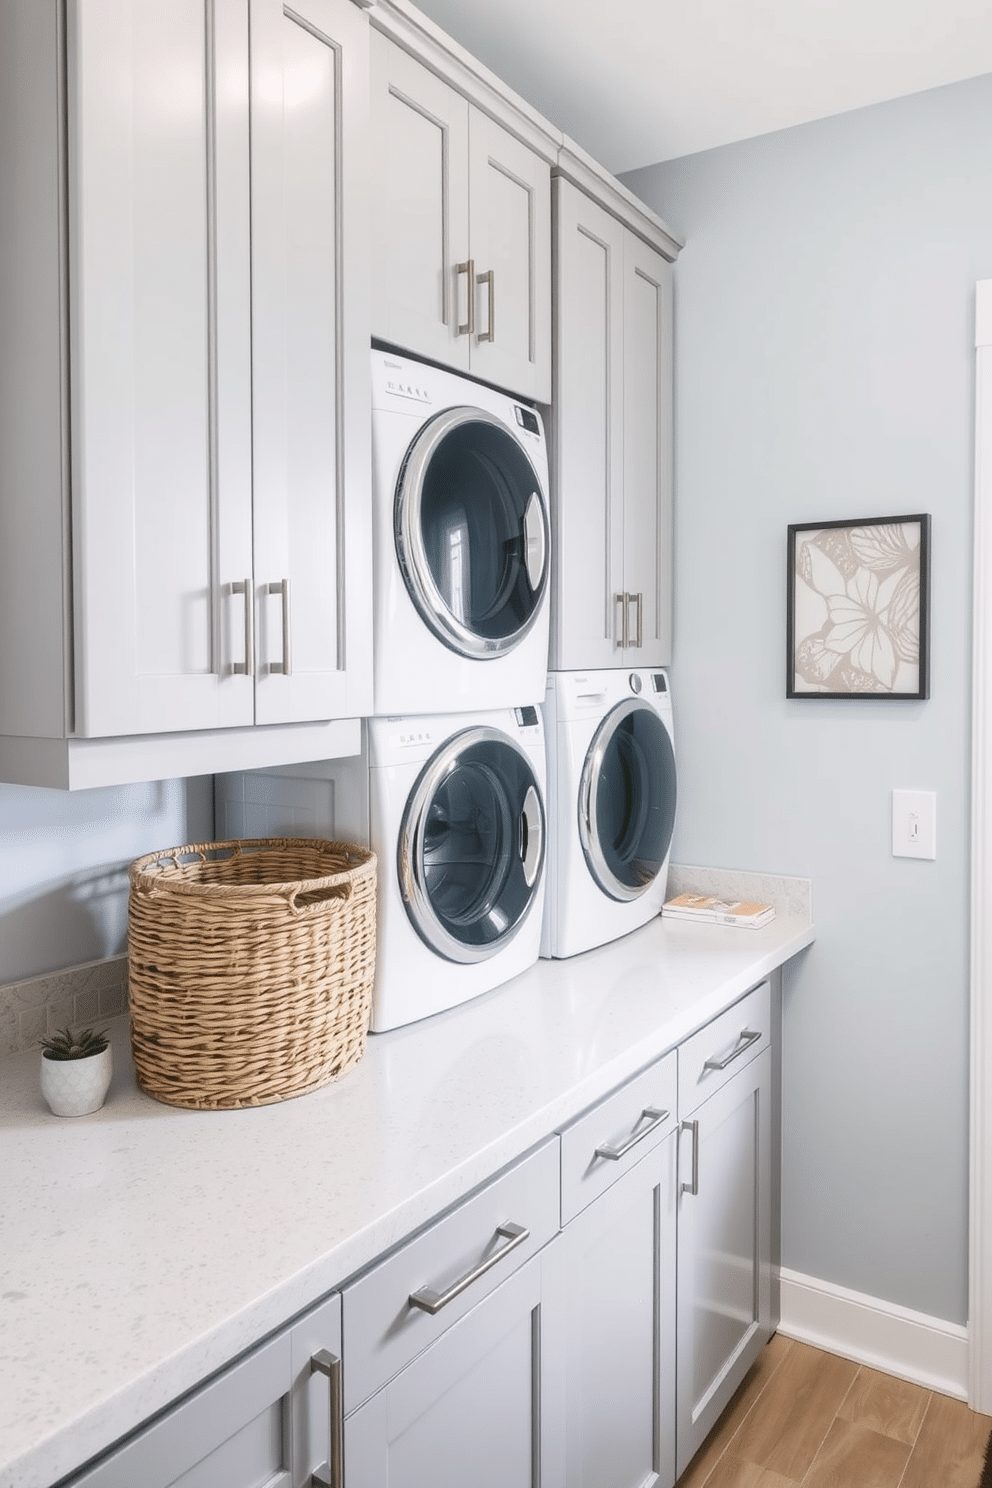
x=914, y=824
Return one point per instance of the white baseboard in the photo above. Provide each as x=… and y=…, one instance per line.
x=908, y=1344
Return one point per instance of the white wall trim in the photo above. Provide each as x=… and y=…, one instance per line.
x=980, y=1178
x=911, y=1345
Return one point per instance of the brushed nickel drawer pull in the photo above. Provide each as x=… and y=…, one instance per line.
x=330, y=1474
x=428, y=1300
x=654, y=1118
x=747, y=1038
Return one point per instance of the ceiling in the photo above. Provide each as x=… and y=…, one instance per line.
x=651, y=80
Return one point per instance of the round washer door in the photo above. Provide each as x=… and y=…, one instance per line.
x=471, y=529
x=471, y=845
x=627, y=800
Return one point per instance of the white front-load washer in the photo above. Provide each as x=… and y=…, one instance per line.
x=454, y=808
x=611, y=805
x=461, y=543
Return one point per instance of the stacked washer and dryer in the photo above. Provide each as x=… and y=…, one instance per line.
x=501, y=834
x=450, y=786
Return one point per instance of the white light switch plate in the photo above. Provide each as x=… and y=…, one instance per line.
x=914, y=824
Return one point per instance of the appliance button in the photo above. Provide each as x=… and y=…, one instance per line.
x=635, y=682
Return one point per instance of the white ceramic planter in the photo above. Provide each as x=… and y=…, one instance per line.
x=75, y=1087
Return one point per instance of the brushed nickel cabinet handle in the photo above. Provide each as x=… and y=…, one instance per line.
x=281, y=586
x=692, y=1187
x=489, y=277
x=246, y=667
x=638, y=599
x=621, y=599
x=654, y=1118
x=331, y=1473
x=468, y=269
x=430, y=1301
x=747, y=1038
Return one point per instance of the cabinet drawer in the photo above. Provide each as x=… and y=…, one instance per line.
x=714, y=1055
x=450, y=1267
x=600, y=1146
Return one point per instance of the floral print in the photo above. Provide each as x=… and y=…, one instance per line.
x=857, y=609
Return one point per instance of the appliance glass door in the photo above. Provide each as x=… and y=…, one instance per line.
x=471, y=845
x=471, y=530
x=627, y=800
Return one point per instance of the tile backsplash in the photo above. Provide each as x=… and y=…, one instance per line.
x=78, y=996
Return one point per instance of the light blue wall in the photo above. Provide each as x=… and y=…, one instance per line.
x=824, y=369
x=63, y=865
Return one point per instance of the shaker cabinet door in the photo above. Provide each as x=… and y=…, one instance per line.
x=724, y=1252
x=159, y=335
x=618, y=1258
x=310, y=388
x=647, y=452
x=587, y=481
x=612, y=441
x=510, y=237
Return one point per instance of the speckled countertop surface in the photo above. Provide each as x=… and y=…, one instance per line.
x=143, y=1247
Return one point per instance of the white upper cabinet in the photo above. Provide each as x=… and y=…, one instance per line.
x=612, y=439
x=200, y=528
x=461, y=229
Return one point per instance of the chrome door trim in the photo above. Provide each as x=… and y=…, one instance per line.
x=410, y=846
x=591, y=769
x=411, y=553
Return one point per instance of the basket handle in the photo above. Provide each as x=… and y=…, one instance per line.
x=302, y=900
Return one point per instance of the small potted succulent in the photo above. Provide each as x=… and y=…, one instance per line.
x=76, y=1071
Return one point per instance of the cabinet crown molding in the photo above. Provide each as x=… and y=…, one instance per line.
x=579, y=167
x=417, y=34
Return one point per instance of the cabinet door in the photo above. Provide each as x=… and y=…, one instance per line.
x=420, y=208
x=482, y=1405
x=618, y=1259
x=647, y=452
x=510, y=246
x=588, y=445
x=266, y=1420
x=724, y=1249
x=311, y=436
x=159, y=337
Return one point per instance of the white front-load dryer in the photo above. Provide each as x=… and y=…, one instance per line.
x=611, y=805
x=454, y=808
x=461, y=543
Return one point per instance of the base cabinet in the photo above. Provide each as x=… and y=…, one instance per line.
x=724, y=1231
x=272, y=1418
x=580, y=1321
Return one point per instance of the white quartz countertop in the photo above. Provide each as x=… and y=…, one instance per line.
x=143, y=1247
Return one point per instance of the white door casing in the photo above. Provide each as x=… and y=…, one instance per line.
x=980, y=1223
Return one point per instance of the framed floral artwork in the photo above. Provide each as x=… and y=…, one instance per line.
x=858, y=622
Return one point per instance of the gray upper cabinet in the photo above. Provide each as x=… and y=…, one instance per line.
x=612, y=432
x=461, y=245
x=185, y=461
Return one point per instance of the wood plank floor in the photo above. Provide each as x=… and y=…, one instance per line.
x=803, y=1416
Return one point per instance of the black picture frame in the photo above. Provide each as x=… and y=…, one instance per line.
x=858, y=609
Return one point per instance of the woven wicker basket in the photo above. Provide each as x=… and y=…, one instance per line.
x=250, y=968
